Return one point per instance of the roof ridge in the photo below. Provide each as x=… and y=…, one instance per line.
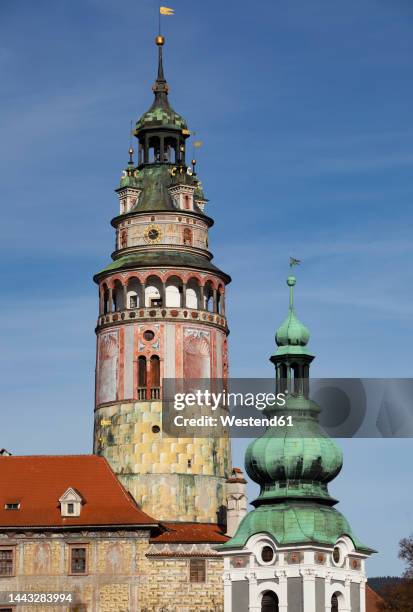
x=49, y=456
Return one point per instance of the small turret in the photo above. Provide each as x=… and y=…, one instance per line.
x=237, y=501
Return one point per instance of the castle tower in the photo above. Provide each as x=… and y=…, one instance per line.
x=294, y=552
x=161, y=315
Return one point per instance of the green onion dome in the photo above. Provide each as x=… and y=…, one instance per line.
x=294, y=462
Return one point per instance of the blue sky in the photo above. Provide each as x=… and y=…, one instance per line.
x=305, y=113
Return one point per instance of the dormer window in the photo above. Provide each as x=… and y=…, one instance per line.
x=71, y=503
x=12, y=506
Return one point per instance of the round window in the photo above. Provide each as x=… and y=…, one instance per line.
x=338, y=555
x=267, y=554
x=148, y=335
x=156, y=429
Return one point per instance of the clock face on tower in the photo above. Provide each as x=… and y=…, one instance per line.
x=153, y=234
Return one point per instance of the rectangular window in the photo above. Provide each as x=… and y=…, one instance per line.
x=6, y=561
x=70, y=508
x=12, y=506
x=197, y=570
x=78, y=560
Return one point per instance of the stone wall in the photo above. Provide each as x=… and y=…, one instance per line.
x=121, y=575
x=171, y=479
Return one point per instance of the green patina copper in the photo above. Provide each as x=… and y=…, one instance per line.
x=154, y=182
x=160, y=113
x=157, y=116
x=162, y=258
x=293, y=465
x=292, y=335
x=292, y=523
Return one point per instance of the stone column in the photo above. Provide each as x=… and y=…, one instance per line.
x=183, y=296
x=101, y=301
x=110, y=300
x=308, y=590
x=227, y=592
x=146, y=150
x=254, y=604
x=214, y=301
x=125, y=297
x=141, y=296
x=282, y=581
x=363, y=595
x=163, y=293
x=347, y=589
x=327, y=596
x=161, y=149
x=223, y=303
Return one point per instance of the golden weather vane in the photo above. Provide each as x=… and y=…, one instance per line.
x=165, y=11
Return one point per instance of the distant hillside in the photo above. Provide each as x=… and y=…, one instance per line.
x=378, y=582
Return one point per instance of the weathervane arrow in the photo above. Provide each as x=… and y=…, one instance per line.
x=294, y=262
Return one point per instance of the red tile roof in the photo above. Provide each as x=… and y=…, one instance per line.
x=37, y=482
x=189, y=533
x=372, y=600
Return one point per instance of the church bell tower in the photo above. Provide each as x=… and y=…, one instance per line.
x=161, y=315
x=294, y=552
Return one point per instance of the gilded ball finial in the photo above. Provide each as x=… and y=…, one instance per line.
x=160, y=40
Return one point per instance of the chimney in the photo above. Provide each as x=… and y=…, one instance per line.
x=236, y=487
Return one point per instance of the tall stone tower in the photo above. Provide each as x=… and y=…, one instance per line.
x=161, y=315
x=294, y=552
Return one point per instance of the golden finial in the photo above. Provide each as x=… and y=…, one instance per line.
x=160, y=40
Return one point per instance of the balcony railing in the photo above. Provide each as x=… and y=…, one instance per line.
x=157, y=312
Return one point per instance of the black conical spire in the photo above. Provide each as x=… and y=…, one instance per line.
x=160, y=87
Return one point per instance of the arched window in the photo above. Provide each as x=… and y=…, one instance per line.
x=170, y=150
x=173, y=292
x=142, y=378
x=208, y=297
x=334, y=603
x=118, y=296
x=133, y=293
x=105, y=300
x=123, y=239
x=187, y=236
x=153, y=292
x=269, y=602
x=155, y=377
x=154, y=152
x=187, y=202
x=193, y=294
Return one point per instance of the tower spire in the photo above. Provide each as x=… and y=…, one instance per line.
x=160, y=87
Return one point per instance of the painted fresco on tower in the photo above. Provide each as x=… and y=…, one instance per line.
x=107, y=367
x=197, y=353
